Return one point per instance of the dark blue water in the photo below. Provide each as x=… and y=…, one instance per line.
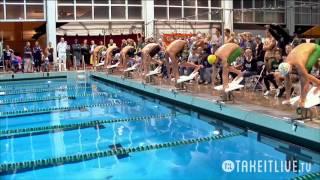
x=195, y=161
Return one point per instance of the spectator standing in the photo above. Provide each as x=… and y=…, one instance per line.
x=268, y=46
x=250, y=43
x=37, y=56
x=85, y=51
x=62, y=53
x=92, y=46
x=216, y=40
x=111, y=43
x=27, y=58
x=7, y=55
x=50, y=51
x=76, y=52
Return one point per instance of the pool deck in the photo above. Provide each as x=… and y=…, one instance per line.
x=250, y=109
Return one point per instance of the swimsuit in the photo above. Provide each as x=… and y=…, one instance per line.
x=234, y=55
x=313, y=58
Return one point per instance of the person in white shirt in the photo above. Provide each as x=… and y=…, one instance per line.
x=62, y=55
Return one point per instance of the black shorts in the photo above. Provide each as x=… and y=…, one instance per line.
x=115, y=51
x=131, y=52
x=155, y=50
x=37, y=63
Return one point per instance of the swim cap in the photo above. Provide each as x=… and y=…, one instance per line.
x=103, y=53
x=212, y=59
x=117, y=56
x=284, y=68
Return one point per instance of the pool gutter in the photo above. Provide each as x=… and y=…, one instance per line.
x=285, y=129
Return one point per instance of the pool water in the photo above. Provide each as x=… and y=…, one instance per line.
x=48, y=103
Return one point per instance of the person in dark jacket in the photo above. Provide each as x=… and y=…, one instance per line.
x=37, y=56
x=76, y=52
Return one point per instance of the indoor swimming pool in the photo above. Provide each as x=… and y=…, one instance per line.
x=66, y=128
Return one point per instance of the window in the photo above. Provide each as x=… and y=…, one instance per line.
x=35, y=12
x=118, y=1
x=259, y=16
x=270, y=3
x=134, y=1
x=1, y=12
x=202, y=3
x=14, y=1
x=175, y=3
x=247, y=4
x=101, y=1
x=203, y=13
x=118, y=12
x=160, y=2
x=174, y=12
x=216, y=3
x=216, y=14
x=65, y=12
x=65, y=1
x=101, y=12
x=15, y=11
x=237, y=15
x=190, y=2
x=236, y=4
x=248, y=16
x=83, y=1
x=259, y=4
x=189, y=13
x=84, y=12
x=160, y=13
x=34, y=1
x=134, y=12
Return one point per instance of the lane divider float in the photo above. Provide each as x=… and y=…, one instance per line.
x=48, y=110
x=50, y=98
x=64, y=127
x=309, y=176
x=39, y=90
x=10, y=168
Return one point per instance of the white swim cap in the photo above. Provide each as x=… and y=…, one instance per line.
x=103, y=53
x=284, y=68
x=117, y=56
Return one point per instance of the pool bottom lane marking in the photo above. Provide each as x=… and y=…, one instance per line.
x=48, y=110
x=5, y=134
x=40, y=90
x=11, y=168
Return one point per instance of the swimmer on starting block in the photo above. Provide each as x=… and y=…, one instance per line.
x=126, y=54
x=302, y=58
x=98, y=53
x=174, y=49
x=110, y=54
x=226, y=54
x=148, y=52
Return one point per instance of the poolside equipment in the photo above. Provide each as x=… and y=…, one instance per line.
x=113, y=66
x=100, y=64
x=132, y=68
x=312, y=99
x=187, y=78
x=234, y=85
x=154, y=72
x=212, y=59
